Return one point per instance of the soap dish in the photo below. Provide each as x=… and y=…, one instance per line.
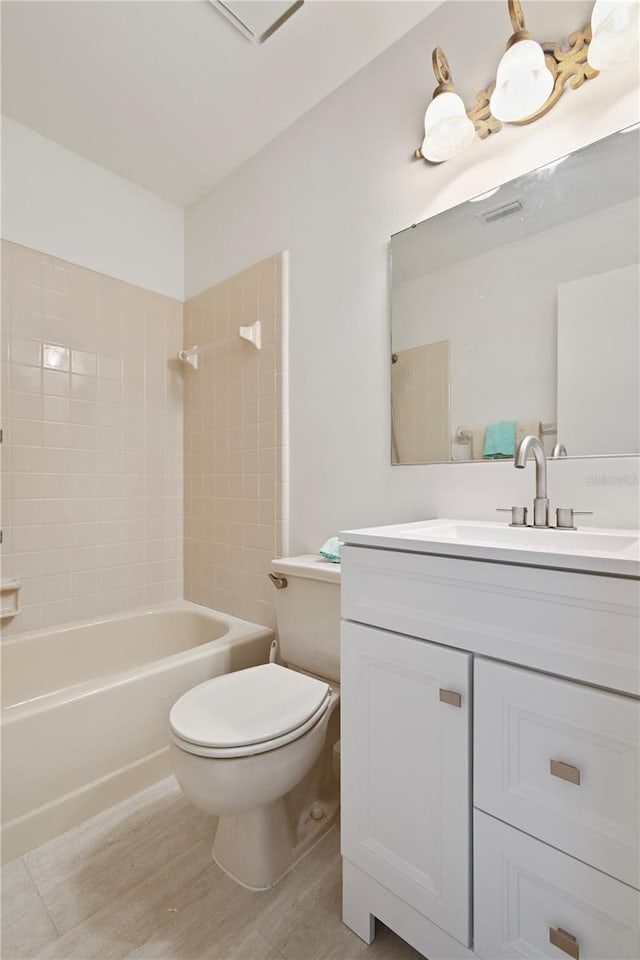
x=9, y=598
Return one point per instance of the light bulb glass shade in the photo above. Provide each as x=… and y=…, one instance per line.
x=523, y=84
x=615, y=30
x=447, y=128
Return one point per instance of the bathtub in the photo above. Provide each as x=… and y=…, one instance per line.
x=85, y=708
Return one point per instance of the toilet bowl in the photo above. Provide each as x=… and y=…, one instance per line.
x=255, y=748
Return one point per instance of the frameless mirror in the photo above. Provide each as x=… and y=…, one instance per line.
x=519, y=311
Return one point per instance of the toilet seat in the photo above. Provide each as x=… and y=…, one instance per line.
x=248, y=712
x=251, y=749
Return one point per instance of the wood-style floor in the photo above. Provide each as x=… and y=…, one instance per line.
x=138, y=881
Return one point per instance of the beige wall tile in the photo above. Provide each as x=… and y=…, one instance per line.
x=231, y=428
x=92, y=411
x=98, y=416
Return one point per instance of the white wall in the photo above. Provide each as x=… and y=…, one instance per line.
x=331, y=190
x=56, y=202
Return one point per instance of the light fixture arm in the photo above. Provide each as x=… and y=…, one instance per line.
x=516, y=15
x=518, y=23
x=442, y=72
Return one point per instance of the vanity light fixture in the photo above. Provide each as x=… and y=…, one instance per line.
x=447, y=128
x=531, y=77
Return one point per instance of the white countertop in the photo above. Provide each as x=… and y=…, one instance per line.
x=588, y=550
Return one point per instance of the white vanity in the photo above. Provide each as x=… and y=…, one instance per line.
x=491, y=739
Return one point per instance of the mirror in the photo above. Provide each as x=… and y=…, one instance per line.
x=518, y=312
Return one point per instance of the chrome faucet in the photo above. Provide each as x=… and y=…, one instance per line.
x=541, y=502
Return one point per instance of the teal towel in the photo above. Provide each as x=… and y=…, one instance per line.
x=500, y=440
x=331, y=550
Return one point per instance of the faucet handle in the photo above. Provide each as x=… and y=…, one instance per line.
x=518, y=515
x=565, y=517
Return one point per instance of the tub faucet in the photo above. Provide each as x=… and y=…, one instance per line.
x=541, y=502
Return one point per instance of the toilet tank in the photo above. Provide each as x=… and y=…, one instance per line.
x=308, y=614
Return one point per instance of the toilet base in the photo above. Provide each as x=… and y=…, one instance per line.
x=256, y=849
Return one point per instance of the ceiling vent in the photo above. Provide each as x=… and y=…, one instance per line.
x=499, y=213
x=257, y=19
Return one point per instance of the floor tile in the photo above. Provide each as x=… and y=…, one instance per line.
x=119, y=927
x=211, y=917
x=234, y=945
x=312, y=928
x=100, y=860
x=138, y=882
x=26, y=925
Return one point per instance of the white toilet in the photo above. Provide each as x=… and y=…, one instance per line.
x=255, y=747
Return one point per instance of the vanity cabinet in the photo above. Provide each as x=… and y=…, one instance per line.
x=520, y=839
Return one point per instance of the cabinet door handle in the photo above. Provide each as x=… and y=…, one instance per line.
x=564, y=941
x=565, y=771
x=450, y=696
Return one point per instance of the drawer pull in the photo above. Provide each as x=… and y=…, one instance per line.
x=565, y=771
x=564, y=941
x=450, y=696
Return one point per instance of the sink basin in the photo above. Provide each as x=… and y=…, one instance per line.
x=592, y=550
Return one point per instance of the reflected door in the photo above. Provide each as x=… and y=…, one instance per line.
x=420, y=391
x=599, y=363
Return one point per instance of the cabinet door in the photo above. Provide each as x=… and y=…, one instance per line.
x=405, y=770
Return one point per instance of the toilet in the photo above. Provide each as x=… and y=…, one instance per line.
x=255, y=748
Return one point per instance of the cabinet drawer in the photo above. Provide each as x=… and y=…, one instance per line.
x=533, y=901
x=560, y=761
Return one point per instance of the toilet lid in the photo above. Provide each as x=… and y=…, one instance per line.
x=247, y=707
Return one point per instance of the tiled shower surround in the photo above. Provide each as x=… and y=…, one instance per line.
x=235, y=457
x=116, y=455
x=93, y=441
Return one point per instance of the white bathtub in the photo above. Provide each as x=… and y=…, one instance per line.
x=85, y=709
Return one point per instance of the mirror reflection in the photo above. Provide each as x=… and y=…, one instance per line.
x=518, y=312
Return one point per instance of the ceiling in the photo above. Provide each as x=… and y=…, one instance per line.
x=170, y=95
